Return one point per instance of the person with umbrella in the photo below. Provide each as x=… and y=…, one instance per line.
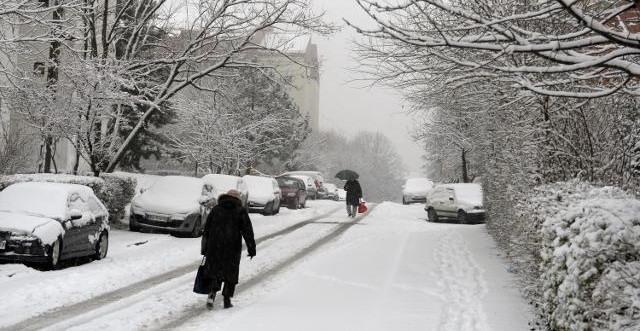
x=354, y=191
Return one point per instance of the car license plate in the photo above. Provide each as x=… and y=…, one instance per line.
x=160, y=218
x=3, y=244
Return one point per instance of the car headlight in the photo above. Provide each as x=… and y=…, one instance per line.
x=180, y=216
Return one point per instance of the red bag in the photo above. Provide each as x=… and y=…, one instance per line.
x=362, y=208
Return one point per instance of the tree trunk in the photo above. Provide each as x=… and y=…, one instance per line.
x=465, y=175
x=48, y=154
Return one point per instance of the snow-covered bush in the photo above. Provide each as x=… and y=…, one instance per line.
x=95, y=183
x=117, y=194
x=590, y=256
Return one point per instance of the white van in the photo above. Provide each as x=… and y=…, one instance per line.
x=463, y=202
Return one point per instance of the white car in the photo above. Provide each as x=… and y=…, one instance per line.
x=463, y=202
x=223, y=183
x=264, y=194
x=49, y=222
x=178, y=204
x=331, y=191
x=415, y=190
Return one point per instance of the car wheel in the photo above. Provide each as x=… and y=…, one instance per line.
x=133, y=226
x=197, y=228
x=277, y=209
x=433, y=215
x=102, y=246
x=54, y=251
x=462, y=217
x=268, y=209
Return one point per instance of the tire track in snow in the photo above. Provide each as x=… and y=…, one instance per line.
x=198, y=309
x=462, y=284
x=72, y=311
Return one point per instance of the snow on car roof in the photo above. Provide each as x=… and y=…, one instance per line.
x=222, y=183
x=418, y=182
x=470, y=192
x=40, y=198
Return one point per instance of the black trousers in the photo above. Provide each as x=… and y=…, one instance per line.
x=228, y=290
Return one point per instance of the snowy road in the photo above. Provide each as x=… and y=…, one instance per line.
x=315, y=270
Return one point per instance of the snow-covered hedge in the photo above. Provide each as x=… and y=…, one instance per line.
x=113, y=190
x=590, y=253
x=117, y=194
x=95, y=183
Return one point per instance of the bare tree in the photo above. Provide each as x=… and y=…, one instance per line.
x=568, y=48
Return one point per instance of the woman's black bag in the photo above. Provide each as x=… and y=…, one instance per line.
x=203, y=283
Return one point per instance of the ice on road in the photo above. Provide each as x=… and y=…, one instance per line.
x=392, y=271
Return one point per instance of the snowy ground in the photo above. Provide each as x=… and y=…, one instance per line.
x=391, y=270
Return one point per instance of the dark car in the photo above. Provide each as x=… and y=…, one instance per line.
x=293, y=191
x=45, y=223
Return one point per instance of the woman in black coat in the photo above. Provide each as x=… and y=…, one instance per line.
x=226, y=225
x=354, y=193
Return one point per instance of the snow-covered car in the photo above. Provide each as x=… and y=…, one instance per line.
x=331, y=191
x=178, y=204
x=223, y=183
x=293, y=192
x=317, y=179
x=463, y=202
x=264, y=194
x=49, y=222
x=342, y=194
x=415, y=190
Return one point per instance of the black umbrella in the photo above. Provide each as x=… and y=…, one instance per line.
x=347, y=174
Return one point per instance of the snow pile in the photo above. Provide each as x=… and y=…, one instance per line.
x=590, y=270
x=95, y=183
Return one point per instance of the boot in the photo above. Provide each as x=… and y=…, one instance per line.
x=227, y=302
x=210, y=299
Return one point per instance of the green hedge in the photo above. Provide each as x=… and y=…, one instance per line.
x=117, y=194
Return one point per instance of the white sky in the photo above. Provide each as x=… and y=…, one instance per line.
x=347, y=107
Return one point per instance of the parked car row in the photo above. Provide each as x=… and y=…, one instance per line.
x=44, y=223
x=462, y=202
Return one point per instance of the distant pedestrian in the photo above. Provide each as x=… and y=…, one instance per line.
x=354, y=193
x=226, y=225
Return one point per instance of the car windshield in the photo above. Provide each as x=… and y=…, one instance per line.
x=222, y=183
x=259, y=185
x=183, y=188
x=287, y=182
x=33, y=199
x=470, y=193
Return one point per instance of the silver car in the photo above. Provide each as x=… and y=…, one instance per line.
x=177, y=204
x=458, y=201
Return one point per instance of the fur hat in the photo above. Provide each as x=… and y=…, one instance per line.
x=234, y=193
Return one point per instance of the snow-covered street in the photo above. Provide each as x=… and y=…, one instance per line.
x=315, y=269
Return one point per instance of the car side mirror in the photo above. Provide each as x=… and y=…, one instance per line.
x=75, y=214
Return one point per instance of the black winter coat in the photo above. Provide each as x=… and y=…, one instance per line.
x=226, y=225
x=354, y=192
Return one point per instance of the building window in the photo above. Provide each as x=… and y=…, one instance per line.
x=38, y=68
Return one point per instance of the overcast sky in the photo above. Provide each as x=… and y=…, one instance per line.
x=347, y=107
